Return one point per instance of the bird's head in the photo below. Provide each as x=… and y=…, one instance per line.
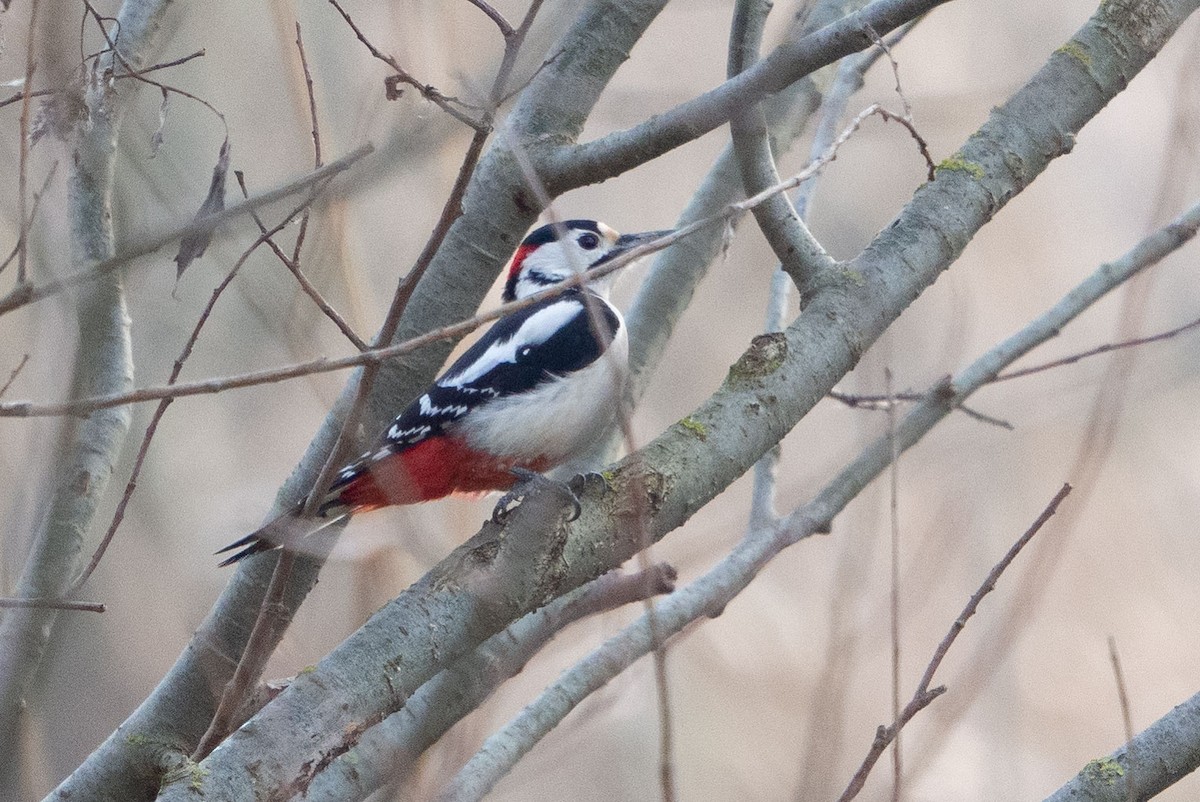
x=555, y=252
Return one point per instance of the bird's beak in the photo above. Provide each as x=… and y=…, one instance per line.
x=627, y=242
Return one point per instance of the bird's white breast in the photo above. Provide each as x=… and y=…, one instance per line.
x=558, y=419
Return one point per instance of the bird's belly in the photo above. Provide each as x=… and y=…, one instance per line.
x=559, y=418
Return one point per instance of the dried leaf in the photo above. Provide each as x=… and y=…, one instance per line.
x=58, y=114
x=192, y=246
x=157, y=140
x=391, y=87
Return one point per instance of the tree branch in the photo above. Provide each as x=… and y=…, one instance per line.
x=1174, y=742
x=798, y=251
x=571, y=166
x=389, y=750
x=27, y=294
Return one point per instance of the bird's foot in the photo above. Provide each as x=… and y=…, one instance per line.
x=527, y=482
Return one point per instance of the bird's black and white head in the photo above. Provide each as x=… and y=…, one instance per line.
x=555, y=252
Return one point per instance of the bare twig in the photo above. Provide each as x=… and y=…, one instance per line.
x=293, y=263
x=312, y=99
x=16, y=97
x=37, y=201
x=884, y=403
x=139, y=75
x=12, y=377
x=1126, y=719
x=894, y=510
x=27, y=294
x=305, y=285
x=641, y=522
x=273, y=615
x=907, y=118
x=924, y=695
x=23, y=158
x=1101, y=349
x=53, y=604
x=162, y=65
x=152, y=427
x=428, y=91
x=495, y=16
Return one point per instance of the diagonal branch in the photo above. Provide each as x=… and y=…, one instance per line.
x=570, y=166
x=149, y=243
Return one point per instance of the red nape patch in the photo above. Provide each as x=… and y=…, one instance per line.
x=429, y=470
x=519, y=257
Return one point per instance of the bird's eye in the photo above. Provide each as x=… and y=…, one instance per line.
x=588, y=241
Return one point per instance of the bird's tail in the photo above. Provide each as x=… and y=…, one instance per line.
x=287, y=529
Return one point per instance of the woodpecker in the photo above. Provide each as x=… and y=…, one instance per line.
x=538, y=388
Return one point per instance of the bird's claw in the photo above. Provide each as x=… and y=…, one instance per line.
x=528, y=481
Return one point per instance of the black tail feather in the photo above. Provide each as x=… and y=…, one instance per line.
x=253, y=543
x=285, y=530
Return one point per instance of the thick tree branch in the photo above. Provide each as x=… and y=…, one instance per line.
x=569, y=166
x=388, y=751
x=798, y=251
x=1167, y=751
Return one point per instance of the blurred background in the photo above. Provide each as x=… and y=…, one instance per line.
x=779, y=697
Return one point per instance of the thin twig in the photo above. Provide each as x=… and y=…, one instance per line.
x=253, y=658
x=306, y=286
x=17, y=96
x=894, y=510
x=37, y=202
x=641, y=513
x=139, y=75
x=1126, y=720
x=907, y=119
x=1101, y=349
x=23, y=158
x=495, y=16
x=53, y=604
x=924, y=695
x=293, y=263
x=162, y=65
x=26, y=294
x=12, y=377
x=152, y=427
x=312, y=99
x=885, y=402
x=428, y=91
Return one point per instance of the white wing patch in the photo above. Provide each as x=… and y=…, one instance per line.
x=541, y=326
x=430, y=409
